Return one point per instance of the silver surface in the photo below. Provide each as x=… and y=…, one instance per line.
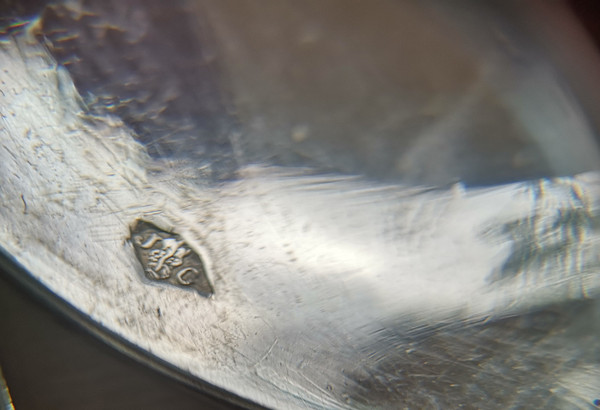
x=330, y=290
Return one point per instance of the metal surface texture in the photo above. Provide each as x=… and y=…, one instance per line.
x=361, y=236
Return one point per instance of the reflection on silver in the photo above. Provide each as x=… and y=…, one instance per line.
x=329, y=291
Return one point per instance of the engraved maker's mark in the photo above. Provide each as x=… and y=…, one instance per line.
x=166, y=257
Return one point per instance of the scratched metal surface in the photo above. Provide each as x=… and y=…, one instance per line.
x=339, y=279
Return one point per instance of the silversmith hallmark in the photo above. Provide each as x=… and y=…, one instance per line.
x=166, y=257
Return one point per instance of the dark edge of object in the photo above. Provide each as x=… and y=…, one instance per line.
x=45, y=298
x=588, y=13
x=5, y=398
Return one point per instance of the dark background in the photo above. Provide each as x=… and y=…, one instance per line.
x=50, y=362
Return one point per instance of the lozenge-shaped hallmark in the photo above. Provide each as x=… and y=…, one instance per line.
x=166, y=257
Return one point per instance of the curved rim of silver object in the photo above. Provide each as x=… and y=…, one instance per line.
x=18, y=275
x=6, y=402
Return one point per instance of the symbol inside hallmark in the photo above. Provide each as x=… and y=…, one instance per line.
x=166, y=257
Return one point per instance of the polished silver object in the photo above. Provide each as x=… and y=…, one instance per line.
x=328, y=290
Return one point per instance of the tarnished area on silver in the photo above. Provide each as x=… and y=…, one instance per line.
x=166, y=257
